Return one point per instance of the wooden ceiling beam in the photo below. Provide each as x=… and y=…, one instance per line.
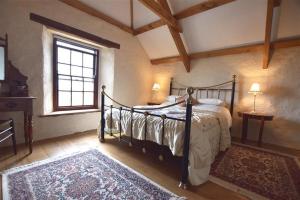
x=177, y=39
x=193, y=10
x=213, y=53
x=131, y=14
x=279, y=44
x=162, y=13
x=149, y=27
x=201, y=7
x=91, y=11
x=227, y=51
x=166, y=60
x=268, y=32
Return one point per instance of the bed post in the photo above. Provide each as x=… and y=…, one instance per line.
x=232, y=94
x=171, y=86
x=186, y=144
x=102, y=115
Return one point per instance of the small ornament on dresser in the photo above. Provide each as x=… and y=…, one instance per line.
x=17, y=82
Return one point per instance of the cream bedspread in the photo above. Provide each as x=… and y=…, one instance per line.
x=209, y=133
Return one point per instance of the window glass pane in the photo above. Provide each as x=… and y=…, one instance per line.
x=89, y=86
x=77, y=98
x=76, y=71
x=63, y=69
x=88, y=98
x=64, y=98
x=63, y=55
x=64, y=83
x=88, y=60
x=76, y=58
x=61, y=43
x=88, y=72
x=77, y=86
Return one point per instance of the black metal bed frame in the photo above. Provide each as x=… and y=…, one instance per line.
x=145, y=111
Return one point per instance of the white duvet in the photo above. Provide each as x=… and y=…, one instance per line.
x=209, y=133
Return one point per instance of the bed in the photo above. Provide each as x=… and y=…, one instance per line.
x=197, y=133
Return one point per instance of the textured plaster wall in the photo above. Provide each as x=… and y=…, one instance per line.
x=280, y=84
x=127, y=71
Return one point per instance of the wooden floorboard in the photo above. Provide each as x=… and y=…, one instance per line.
x=165, y=173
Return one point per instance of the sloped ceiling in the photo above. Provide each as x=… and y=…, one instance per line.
x=233, y=24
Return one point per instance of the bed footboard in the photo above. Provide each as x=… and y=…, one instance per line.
x=145, y=111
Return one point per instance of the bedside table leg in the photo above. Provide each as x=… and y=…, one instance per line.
x=245, y=128
x=262, y=123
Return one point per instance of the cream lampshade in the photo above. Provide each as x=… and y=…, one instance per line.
x=255, y=89
x=155, y=87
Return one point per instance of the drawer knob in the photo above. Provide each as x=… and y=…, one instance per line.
x=11, y=104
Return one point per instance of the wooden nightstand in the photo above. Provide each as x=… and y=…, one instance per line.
x=153, y=103
x=256, y=116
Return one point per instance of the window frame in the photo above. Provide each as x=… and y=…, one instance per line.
x=56, y=107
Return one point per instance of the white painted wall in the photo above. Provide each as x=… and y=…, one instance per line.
x=128, y=70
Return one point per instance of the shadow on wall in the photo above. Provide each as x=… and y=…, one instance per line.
x=240, y=84
x=282, y=91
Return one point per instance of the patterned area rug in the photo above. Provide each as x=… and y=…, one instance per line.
x=86, y=175
x=258, y=173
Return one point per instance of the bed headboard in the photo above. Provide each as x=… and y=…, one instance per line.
x=219, y=91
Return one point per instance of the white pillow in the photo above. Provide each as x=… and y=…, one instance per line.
x=211, y=101
x=172, y=98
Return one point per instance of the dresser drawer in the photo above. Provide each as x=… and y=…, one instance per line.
x=14, y=105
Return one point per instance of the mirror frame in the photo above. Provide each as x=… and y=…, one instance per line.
x=4, y=43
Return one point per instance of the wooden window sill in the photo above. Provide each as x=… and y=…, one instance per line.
x=69, y=112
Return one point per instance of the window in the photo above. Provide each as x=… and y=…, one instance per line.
x=75, y=77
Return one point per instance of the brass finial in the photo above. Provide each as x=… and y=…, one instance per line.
x=190, y=91
x=103, y=87
x=163, y=116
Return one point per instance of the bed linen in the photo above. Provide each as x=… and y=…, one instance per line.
x=209, y=133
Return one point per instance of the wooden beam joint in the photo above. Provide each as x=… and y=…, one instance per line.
x=193, y=10
x=177, y=39
x=162, y=13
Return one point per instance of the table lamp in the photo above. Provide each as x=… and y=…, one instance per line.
x=155, y=89
x=255, y=90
